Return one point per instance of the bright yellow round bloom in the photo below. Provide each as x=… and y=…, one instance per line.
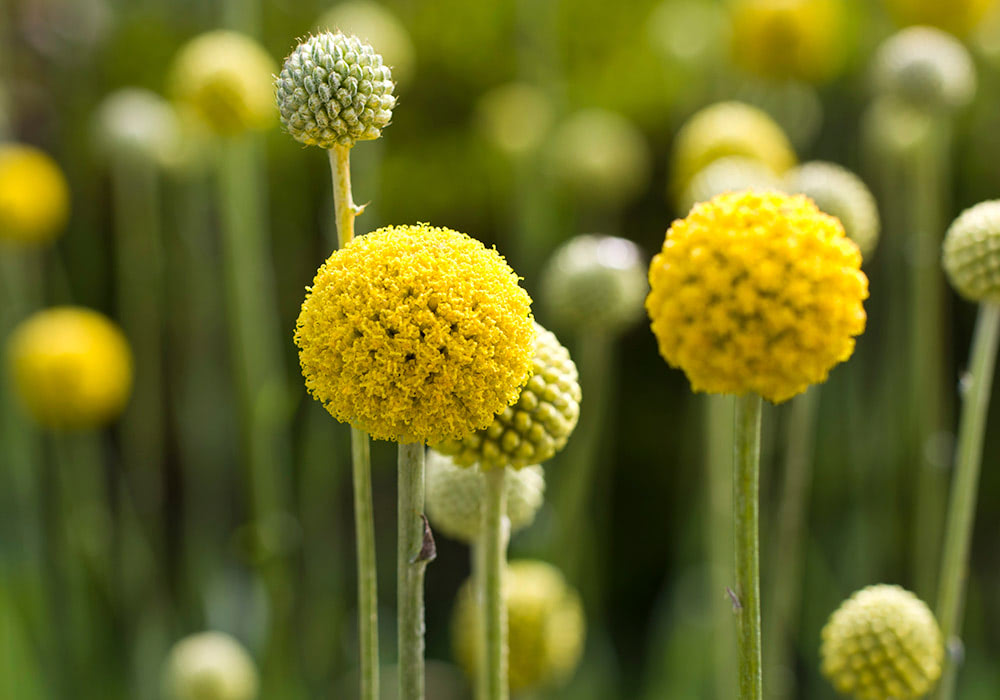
x=226, y=79
x=34, y=196
x=415, y=334
x=801, y=39
x=956, y=16
x=71, y=367
x=756, y=292
x=546, y=626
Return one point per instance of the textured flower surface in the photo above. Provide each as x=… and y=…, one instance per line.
x=209, y=666
x=538, y=425
x=882, y=643
x=334, y=89
x=415, y=334
x=72, y=367
x=756, y=292
x=455, y=497
x=224, y=77
x=34, y=196
x=972, y=252
x=546, y=626
x=926, y=68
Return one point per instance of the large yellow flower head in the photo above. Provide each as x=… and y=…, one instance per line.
x=546, y=626
x=800, y=39
x=209, y=666
x=882, y=643
x=956, y=16
x=415, y=334
x=34, y=196
x=225, y=78
x=756, y=292
x=71, y=368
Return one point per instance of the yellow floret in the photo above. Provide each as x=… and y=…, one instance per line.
x=756, y=292
x=34, y=197
x=71, y=367
x=415, y=334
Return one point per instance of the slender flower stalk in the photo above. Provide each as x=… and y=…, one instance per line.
x=415, y=550
x=746, y=480
x=493, y=550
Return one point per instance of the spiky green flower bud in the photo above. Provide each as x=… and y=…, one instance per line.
x=972, y=252
x=209, y=666
x=455, y=496
x=334, y=89
x=925, y=67
x=538, y=425
x=839, y=192
x=595, y=283
x=882, y=643
x=729, y=174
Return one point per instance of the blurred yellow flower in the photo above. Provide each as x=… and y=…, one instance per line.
x=71, y=367
x=415, y=334
x=226, y=79
x=546, y=626
x=956, y=16
x=756, y=292
x=209, y=666
x=34, y=196
x=882, y=643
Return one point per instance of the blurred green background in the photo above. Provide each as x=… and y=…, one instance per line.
x=105, y=563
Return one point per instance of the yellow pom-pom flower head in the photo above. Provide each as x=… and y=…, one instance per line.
x=224, y=78
x=546, y=626
x=415, y=334
x=882, y=643
x=455, y=497
x=71, y=368
x=34, y=196
x=756, y=292
x=972, y=252
x=538, y=425
x=334, y=89
x=209, y=666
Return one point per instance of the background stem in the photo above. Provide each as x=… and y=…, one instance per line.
x=746, y=479
x=413, y=553
x=491, y=587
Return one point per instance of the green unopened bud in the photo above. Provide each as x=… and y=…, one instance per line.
x=729, y=174
x=926, y=68
x=972, y=252
x=882, y=643
x=595, y=283
x=134, y=123
x=334, y=89
x=538, y=425
x=377, y=25
x=209, y=666
x=455, y=496
x=840, y=193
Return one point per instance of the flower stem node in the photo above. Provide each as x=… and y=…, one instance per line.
x=455, y=497
x=334, y=90
x=546, y=626
x=34, y=196
x=971, y=252
x=416, y=334
x=882, y=643
x=71, y=368
x=756, y=292
x=926, y=68
x=209, y=666
x=538, y=425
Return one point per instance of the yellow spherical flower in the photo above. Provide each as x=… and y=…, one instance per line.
x=71, y=367
x=883, y=643
x=545, y=632
x=756, y=292
x=956, y=16
x=800, y=39
x=226, y=79
x=34, y=197
x=209, y=666
x=415, y=334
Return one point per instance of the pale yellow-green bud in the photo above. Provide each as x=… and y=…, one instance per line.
x=209, y=666
x=334, y=89
x=926, y=68
x=375, y=24
x=134, y=123
x=516, y=117
x=455, y=496
x=972, y=252
x=728, y=174
x=882, y=643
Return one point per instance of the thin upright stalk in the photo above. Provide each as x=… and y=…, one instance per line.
x=364, y=519
x=746, y=479
x=415, y=548
x=494, y=557
x=962, y=507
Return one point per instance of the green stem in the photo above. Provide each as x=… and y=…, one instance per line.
x=746, y=478
x=415, y=548
x=962, y=508
x=345, y=211
x=494, y=556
